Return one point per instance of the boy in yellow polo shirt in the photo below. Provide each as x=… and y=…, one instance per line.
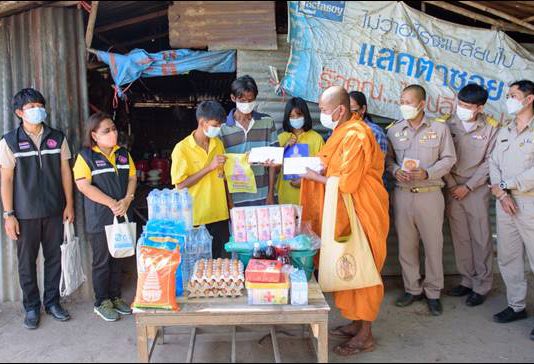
x=197, y=164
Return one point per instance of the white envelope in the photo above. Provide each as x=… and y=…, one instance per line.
x=263, y=154
x=298, y=166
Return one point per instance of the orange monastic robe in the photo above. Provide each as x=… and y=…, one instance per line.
x=353, y=154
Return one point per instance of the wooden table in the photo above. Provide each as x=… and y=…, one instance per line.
x=235, y=312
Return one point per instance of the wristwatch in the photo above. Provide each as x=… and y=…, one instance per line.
x=9, y=214
x=503, y=186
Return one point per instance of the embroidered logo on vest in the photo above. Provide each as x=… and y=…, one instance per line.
x=51, y=143
x=122, y=159
x=100, y=163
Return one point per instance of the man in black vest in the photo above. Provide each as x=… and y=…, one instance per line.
x=37, y=196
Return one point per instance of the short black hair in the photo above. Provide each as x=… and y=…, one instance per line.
x=525, y=86
x=211, y=110
x=302, y=106
x=244, y=84
x=473, y=94
x=418, y=89
x=27, y=96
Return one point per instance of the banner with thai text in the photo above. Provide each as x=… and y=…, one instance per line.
x=379, y=47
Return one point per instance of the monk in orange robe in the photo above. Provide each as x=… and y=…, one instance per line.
x=353, y=155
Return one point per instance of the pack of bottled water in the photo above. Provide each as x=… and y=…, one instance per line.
x=171, y=205
x=170, y=215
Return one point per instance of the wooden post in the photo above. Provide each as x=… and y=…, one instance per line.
x=91, y=24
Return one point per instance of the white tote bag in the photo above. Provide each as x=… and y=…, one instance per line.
x=72, y=276
x=121, y=238
x=344, y=265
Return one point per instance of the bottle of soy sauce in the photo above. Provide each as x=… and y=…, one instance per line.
x=257, y=253
x=270, y=252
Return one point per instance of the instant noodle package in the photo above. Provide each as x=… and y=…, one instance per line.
x=264, y=223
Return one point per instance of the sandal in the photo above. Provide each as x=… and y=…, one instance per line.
x=348, y=350
x=339, y=332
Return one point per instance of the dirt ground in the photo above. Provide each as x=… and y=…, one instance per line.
x=462, y=334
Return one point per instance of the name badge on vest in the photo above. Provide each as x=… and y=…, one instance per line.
x=479, y=137
x=100, y=163
x=24, y=145
x=51, y=143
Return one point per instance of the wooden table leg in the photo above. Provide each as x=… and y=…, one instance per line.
x=276, y=348
x=322, y=342
x=191, y=350
x=234, y=340
x=142, y=344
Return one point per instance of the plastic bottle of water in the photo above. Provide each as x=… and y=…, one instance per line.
x=175, y=206
x=154, y=205
x=166, y=204
x=186, y=202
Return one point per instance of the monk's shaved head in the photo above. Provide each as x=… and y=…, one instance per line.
x=335, y=96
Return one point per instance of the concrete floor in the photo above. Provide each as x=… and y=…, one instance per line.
x=462, y=334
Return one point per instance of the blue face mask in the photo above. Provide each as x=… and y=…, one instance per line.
x=212, y=132
x=35, y=115
x=297, y=123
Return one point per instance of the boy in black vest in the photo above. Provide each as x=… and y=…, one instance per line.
x=37, y=196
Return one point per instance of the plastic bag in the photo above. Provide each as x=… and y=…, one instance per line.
x=72, y=276
x=156, y=284
x=239, y=174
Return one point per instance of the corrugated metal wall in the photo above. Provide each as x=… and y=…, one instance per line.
x=44, y=49
x=222, y=24
x=256, y=64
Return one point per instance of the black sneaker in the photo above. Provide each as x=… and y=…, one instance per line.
x=435, y=307
x=407, y=299
x=509, y=315
x=475, y=299
x=32, y=319
x=459, y=291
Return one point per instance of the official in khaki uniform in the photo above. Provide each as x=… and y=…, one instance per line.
x=468, y=197
x=512, y=179
x=421, y=153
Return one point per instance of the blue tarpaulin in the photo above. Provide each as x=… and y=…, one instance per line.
x=127, y=68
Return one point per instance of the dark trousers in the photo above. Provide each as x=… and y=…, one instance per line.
x=107, y=270
x=47, y=232
x=221, y=235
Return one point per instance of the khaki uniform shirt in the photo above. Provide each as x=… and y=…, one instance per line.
x=431, y=143
x=512, y=160
x=8, y=160
x=473, y=151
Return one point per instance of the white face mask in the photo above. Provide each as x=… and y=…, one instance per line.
x=327, y=121
x=245, y=107
x=464, y=114
x=514, y=106
x=409, y=112
x=297, y=123
x=212, y=132
x=35, y=115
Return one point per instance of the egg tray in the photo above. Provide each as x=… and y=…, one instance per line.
x=216, y=272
